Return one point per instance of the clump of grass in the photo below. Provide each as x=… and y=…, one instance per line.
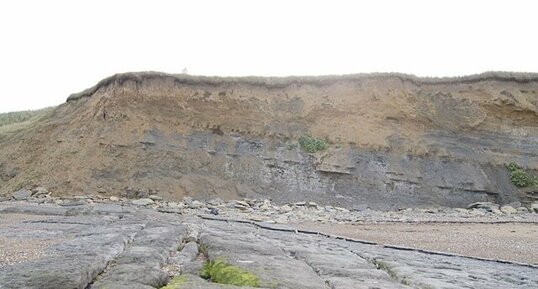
x=204, y=249
x=312, y=144
x=221, y=272
x=176, y=283
x=520, y=177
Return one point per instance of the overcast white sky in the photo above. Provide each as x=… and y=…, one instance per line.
x=50, y=49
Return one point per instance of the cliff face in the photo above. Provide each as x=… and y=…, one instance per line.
x=394, y=140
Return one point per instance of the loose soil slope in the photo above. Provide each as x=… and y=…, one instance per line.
x=395, y=140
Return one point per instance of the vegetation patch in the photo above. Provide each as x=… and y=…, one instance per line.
x=520, y=177
x=176, y=283
x=312, y=144
x=221, y=272
x=21, y=116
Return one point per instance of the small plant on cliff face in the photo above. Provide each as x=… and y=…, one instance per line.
x=312, y=144
x=521, y=178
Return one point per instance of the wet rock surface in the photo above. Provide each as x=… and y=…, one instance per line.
x=120, y=245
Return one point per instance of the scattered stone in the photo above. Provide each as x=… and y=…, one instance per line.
x=40, y=191
x=488, y=206
x=285, y=209
x=256, y=218
x=214, y=211
x=431, y=211
x=187, y=200
x=329, y=209
x=300, y=204
x=311, y=205
x=495, y=211
x=242, y=205
x=142, y=202
x=192, y=236
x=196, y=204
x=176, y=205
x=534, y=207
x=22, y=195
x=155, y=197
x=114, y=199
x=514, y=204
x=72, y=203
x=508, y=209
x=522, y=210
x=343, y=210
x=281, y=219
x=477, y=212
x=215, y=202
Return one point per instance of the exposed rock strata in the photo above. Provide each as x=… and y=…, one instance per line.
x=395, y=140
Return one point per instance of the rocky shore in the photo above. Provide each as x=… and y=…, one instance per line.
x=97, y=242
x=306, y=211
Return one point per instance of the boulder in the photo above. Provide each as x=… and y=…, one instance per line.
x=311, y=205
x=285, y=209
x=508, y=210
x=266, y=205
x=155, y=197
x=40, y=191
x=241, y=205
x=22, y=195
x=488, y=206
x=522, y=210
x=143, y=202
x=187, y=200
x=196, y=204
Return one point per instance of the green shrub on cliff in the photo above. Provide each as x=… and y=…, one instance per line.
x=520, y=177
x=312, y=144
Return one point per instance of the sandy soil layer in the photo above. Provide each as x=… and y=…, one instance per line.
x=512, y=242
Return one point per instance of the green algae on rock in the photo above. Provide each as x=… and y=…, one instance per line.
x=222, y=272
x=176, y=282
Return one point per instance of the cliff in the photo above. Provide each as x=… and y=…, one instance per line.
x=393, y=140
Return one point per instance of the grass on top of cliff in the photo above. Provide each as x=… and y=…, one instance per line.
x=312, y=144
x=10, y=121
x=520, y=177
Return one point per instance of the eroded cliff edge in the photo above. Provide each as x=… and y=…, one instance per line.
x=394, y=140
